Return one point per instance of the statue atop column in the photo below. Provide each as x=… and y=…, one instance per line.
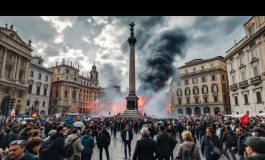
x=132, y=29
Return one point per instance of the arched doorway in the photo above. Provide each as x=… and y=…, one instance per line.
x=216, y=110
x=197, y=111
x=180, y=112
x=42, y=113
x=17, y=112
x=36, y=104
x=188, y=111
x=206, y=110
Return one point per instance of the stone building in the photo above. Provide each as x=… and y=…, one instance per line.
x=14, y=62
x=200, y=87
x=246, y=69
x=72, y=92
x=39, y=87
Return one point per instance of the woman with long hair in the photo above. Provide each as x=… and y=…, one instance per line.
x=188, y=147
x=33, y=145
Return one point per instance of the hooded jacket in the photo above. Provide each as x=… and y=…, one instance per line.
x=77, y=145
x=256, y=157
x=88, y=144
x=165, y=143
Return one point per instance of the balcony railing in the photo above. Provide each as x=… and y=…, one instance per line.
x=243, y=84
x=256, y=80
x=233, y=87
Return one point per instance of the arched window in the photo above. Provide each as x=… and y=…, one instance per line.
x=187, y=91
x=204, y=89
x=216, y=110
x=180, y=112
x=74, y=95
x=195, y=90
x=214, y=88
x=197, y=111
x=188, y=111
x=206, y=110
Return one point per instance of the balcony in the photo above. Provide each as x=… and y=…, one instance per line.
x=256, y=80
x=243, y=84
x=233, y=87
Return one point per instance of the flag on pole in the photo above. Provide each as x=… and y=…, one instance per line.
x=219, y=113
x=207, y=114
x=96, y=101
x=34, y=114
x=244, y=120
x=13, y=113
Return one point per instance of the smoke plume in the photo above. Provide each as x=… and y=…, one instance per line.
x=159, y=54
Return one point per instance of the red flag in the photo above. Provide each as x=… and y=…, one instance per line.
x=244, y=120
x=78, y=117
x=219, y=113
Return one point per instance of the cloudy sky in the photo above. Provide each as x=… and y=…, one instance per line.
x=103, y=40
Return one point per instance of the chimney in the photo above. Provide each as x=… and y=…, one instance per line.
x=82, y=73
x=71, y=64
x=56, y=63
x=78, y=67
x=74, y=65
x=235, y=42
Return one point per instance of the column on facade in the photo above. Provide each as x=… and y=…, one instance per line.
x=15, y=66
x=18, y=67
x=3, y=67
x=27, y=72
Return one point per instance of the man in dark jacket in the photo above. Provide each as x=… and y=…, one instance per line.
x=228, y=142
x=180, y=130
x=165, y=144
x=88, y=144
x=53, y=149
x=151, y=130
x=13, y=135
x=255, y=148
x=103, y=141
x=257, y=131
x=145, y=147
x=17, y=151
x=26, y=134
x=209, y=141
x=240, y=147
x=127, y=137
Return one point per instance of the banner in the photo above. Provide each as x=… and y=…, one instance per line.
x=13, y=113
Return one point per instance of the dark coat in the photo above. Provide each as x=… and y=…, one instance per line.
x=57, y=149
x=26, y=156
x=240, y=144
x=105, y=142
x=225, y=138
x=207, y=147
x=123, y=135
x=23, y=136
x=256, y=157
x=88, y=144
x=145, y=149
x=12, y=136
x=165, y=143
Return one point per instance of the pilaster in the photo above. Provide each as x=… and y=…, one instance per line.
x=17, y=69
x=4, y=50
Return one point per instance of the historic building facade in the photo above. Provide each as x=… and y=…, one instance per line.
x=246, y=69
x=14, y=62
x=71, y=92
x=200, y=87
x=39, y=87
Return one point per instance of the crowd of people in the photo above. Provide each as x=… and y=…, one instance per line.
x=53, y=138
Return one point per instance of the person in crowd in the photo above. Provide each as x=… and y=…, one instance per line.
x=17, y=151
x=127, y=136
x=180, y=130
x=208, y=143
x=42, y=132
x=13, y=135
x=174, y=140
x=229, y=140
x=218, y=130
x=257, y=131
x=1, y=154
x=146, y=147
x=241, y=139
x=53, y=148
x=135, y=127
x=26, y=134
x=103, y=141
x=188, y=147
x=165, y=144
x=255, y=148
x=76, y=143
x=202, y=130
x=2, y=139
x=33, y=145
x=36, y=133
x=88, y=144
x=49, y=135
x=192, y=132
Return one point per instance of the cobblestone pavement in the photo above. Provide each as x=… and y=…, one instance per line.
x=116, y=153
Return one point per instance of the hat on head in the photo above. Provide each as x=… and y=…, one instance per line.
x=256, y=129
x=256, y=143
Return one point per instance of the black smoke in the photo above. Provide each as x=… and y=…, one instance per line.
x=160, y=53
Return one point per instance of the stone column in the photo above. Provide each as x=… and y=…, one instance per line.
x=15, y=67
x=4, y=50
x=18, y=67
x=27, y=72
x=132, y=69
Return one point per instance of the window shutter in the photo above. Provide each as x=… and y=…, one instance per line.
x=216, y=88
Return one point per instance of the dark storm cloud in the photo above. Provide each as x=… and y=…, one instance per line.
x=160, y=54
x=32, y=27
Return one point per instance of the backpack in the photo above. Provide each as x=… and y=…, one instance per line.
x=232, y=139
x=189, y=155
x=46, y=147
x=68, y=149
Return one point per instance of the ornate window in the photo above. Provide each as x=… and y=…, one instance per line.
x=204, y=89
x=31, y=73
x=179, y=92
x=214, y=88
x=187, y=91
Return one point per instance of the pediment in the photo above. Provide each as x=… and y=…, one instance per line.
x=13, y=35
